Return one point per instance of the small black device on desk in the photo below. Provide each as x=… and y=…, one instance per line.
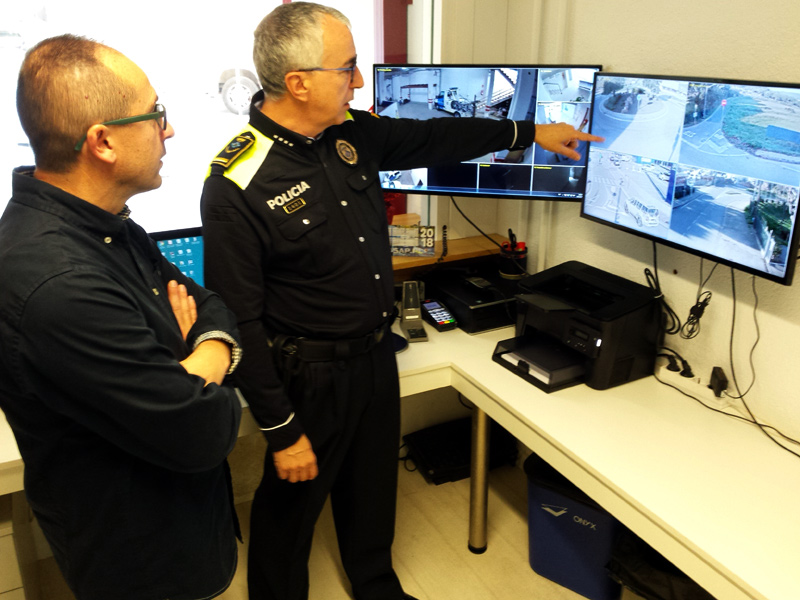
x=479, y=299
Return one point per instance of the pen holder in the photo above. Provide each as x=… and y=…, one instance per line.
x=513, y=260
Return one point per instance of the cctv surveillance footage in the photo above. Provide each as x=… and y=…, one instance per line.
x=543, y=94
x=712, y=167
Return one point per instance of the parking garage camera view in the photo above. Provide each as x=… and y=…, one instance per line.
x=542, y=94
x=710, y=166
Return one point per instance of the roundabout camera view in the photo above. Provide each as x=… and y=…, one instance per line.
x=711, y=166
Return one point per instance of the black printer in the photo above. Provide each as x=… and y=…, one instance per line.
x=578, y=324
x=479, y=298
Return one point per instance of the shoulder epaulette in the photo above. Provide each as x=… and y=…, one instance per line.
x=242, y=157
x=235, y=148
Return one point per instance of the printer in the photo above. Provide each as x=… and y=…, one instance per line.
x=578, y=324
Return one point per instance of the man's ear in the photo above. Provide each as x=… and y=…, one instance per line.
x=297, y=84
x=100, y=144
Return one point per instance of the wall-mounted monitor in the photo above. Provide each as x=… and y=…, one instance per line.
x=709, y=166
x=539, y=93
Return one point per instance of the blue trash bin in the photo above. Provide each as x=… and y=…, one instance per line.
x=570, y=535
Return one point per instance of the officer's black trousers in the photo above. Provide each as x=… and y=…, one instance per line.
x=351, y=413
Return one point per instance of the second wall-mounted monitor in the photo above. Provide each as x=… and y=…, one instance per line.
x=539, y=93
x=709, y=166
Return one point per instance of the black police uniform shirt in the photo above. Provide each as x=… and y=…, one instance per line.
x=124, y=450
x=296, y=232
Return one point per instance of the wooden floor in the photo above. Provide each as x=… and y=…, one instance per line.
x=430, y=551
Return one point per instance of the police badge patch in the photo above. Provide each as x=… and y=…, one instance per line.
x=346, y=152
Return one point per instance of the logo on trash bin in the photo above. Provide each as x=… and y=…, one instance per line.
x=556, y=511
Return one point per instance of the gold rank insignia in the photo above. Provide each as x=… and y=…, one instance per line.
x=347, y=152
x=235, y=149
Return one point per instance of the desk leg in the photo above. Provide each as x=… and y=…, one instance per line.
x=22, y=518
x=479, y=481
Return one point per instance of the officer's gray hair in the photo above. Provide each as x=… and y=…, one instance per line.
x=287, y=39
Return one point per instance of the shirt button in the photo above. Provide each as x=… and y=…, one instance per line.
x=306, y=222
x=107, y=240
x=364, y=177
x=344, y=202
x=377, y=276
x=361, y=239
x=385, y=314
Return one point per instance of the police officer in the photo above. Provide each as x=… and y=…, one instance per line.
x=298, y=247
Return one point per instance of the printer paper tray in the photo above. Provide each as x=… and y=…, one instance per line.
x=542, y=360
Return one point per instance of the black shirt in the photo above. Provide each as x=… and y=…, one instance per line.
x=297, y=238
x=124, y=450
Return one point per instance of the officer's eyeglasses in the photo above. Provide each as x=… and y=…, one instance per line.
x=159, y=115
x=350, y=70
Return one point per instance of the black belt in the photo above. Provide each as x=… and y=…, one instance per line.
x=307, y=350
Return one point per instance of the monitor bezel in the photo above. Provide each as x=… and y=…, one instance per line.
x=475, y=194
x=171, y=234
x=788, y=276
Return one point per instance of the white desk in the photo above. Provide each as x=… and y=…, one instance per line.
x=10, y=460
x=713, y=495
x=710, y=493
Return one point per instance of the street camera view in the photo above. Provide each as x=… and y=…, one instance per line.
x=713, y=167
x=543, y=95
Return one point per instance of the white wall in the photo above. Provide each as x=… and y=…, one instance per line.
x=731, y=39
x=183, y=53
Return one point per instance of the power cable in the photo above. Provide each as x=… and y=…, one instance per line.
x=517, y=263
x=751, y=418
x=483, y=233
x=672, y=323
x=691, y=328
x=741, y=395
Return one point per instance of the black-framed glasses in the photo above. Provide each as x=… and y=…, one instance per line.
x=160, y=115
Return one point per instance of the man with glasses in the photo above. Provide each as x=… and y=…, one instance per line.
x=111, y=361
x=297, y=246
